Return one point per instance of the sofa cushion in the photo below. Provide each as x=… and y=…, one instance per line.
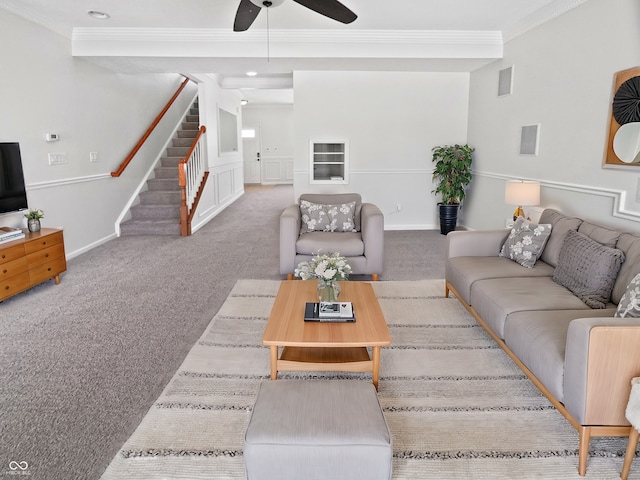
x=348, y=244
x=560, y=225
x=588, y=269
x=630, y=246
x=538, y=338
x=526, y=242
x=463, y=272
x=629, y=305
x=496, y=298
x=602, y=235
x=327, y=218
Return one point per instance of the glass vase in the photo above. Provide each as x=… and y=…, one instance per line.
x=328, y=291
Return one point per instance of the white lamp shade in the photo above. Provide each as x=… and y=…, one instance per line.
x=520, y=192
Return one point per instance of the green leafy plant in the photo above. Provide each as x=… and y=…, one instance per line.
x=452, y=171
x=34, y=214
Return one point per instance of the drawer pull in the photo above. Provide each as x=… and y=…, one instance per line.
x=46, y=255
x=5, y=270
x=44, y=243
x=7, y=287
x=4, y=256
x=49, y=269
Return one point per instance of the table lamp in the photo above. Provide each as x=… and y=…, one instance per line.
x=521, y=192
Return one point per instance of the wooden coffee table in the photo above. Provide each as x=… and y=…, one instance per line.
x=324, y=346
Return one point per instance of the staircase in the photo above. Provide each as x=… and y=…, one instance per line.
x=158, y=212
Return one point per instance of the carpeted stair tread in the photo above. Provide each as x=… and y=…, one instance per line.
x=163, y=184
x=160, y=197
x=155, y=212
x=150, y=227
x=167, y=173
x=170, y=162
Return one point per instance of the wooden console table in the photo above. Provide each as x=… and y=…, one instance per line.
x=31, y=260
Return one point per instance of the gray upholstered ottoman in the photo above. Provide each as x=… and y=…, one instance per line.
x=315, y=429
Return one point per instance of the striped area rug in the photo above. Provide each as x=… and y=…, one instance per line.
x=457, y=406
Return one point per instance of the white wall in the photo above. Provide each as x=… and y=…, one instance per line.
x=563, y=75
x=275, y=124
x=391, y=120
x=44, y=89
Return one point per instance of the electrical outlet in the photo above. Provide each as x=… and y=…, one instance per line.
x=58, y=159
x=93, y=156
x=398, y=207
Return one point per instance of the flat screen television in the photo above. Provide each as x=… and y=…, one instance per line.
x=13, y=194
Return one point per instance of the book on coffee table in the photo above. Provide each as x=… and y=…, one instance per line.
x=329, y=312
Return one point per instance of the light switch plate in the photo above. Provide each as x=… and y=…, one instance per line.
x=58, y=159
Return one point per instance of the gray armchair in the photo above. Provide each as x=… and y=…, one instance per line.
x=363, y=248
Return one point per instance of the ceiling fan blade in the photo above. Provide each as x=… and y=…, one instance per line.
x=247, y=13
x=330, y=8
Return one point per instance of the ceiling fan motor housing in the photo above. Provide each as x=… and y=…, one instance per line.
x=267, y=3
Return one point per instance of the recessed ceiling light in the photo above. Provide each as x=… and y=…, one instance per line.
x=252, y=74
x=244, y=102
x=97, y=14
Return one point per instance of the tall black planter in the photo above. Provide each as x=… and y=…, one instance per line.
x=448, y=217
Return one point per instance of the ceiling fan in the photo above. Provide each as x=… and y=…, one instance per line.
x=248, y=10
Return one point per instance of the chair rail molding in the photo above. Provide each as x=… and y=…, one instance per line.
x=67, y=181
x=619, y=196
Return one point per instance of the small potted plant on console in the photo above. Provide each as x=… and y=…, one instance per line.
x=33, y=219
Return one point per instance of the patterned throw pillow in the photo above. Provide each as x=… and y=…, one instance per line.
x=629, y=305
x=316, y=217
x=525, y=242
x=342, y=217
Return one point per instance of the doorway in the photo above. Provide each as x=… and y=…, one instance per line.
x=251, y=155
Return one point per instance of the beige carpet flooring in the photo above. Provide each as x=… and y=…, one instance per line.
x=457, y=406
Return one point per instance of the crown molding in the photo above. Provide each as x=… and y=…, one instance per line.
x=222, y=43
x=540, y=17
x=288, y=36
x=33, y=16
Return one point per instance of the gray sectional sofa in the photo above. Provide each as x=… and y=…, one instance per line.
x=581, y=358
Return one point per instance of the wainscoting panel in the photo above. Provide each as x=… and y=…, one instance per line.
x=277, y=170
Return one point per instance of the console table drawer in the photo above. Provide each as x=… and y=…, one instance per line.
x=10, y=269
x=13, y=285
x=48, y=270
x=43, y=242
x=45, y=255
x=11, y=253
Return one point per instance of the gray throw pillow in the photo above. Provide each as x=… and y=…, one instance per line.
x=588, y=269
x=316, y=217
x=526, y=242
x=313, y=216
x=629, y=305
x=342, y=217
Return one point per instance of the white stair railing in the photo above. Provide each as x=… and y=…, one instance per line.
x=191, y=175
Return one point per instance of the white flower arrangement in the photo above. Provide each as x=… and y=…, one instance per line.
x=328, y=268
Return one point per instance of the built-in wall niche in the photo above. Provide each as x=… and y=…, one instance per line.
x=227, y=131
x=329, y=161
x=623, y=141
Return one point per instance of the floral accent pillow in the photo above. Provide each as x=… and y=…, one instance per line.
x=526, y=242
x=342, y=217
x=629, y=306
x=316, y=217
